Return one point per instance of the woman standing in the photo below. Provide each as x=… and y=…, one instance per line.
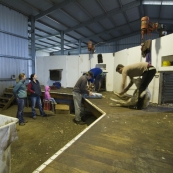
x=20, y=94
x=35, y=90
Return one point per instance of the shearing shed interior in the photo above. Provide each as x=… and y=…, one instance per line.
x=86, y=86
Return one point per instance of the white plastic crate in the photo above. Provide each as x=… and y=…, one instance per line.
x=8, y=134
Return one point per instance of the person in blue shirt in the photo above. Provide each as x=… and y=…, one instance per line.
x=96, y=80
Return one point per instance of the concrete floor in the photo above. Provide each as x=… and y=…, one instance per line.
x=124, y=140
x=129, y=140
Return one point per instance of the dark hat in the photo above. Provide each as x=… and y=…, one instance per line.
x=91, y=74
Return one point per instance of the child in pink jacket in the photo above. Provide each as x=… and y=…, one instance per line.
x=47, y=95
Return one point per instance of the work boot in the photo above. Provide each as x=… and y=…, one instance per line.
x=79, y=122
x=34, y=117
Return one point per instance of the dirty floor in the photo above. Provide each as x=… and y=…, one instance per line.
x=123, y=141
x=39, y=139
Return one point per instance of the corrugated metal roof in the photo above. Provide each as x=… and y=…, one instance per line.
x=90, y=19
x=95, y=27
x=91, y=7
x=124, y=2
x=130, y=14
x=119, y=19
x=75, y=12
x=106, y=23
x=111, y=5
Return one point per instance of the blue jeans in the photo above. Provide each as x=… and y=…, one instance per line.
x=21, y=104
x=34, y=100
x=97, y=81
x=53, y=100
x=77, y=98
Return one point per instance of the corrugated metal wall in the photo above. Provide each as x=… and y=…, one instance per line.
x=167, y=88
x=13, y=46
x=133, y=41
x=115, y=46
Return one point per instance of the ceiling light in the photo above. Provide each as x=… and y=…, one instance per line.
x=147, y=2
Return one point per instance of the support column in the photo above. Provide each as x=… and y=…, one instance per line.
x=79, y=47
x=62, y=42
x=33, y=43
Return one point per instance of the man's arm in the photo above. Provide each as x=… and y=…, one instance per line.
x=84, y=88
x=128, y=86
x=125, y=89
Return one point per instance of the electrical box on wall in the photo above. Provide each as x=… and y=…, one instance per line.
x=56, y=74
x=102, y=66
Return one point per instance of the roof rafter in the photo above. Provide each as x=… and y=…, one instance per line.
x=52, y=9
x=100, y=17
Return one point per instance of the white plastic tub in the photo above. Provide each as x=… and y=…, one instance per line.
x=8, y=134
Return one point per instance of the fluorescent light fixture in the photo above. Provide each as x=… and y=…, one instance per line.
x=148, y=2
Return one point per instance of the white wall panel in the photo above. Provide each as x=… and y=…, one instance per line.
x=84, y=64
x=120, y=57
x=72, y=70
x=73, y=67
x=108, y=60
x=44, y=64
x=161, y=47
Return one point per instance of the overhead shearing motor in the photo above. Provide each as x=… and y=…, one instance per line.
x=91, y=47
x=147, y=27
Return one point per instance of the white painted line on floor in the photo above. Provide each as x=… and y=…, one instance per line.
x=40, y=168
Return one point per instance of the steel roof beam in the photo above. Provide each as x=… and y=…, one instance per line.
x=110, y=30
x=101, y=33
x=163, y=21
x=47, y=36
x=125, y=15
x=142, y=13
x=50, y=47
x=52, y=9
x=160, y=11
x=114, y=39
x=117, y=28
x=123, y=26
x=109, y=14
x=102, y=16
x=83, y=9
